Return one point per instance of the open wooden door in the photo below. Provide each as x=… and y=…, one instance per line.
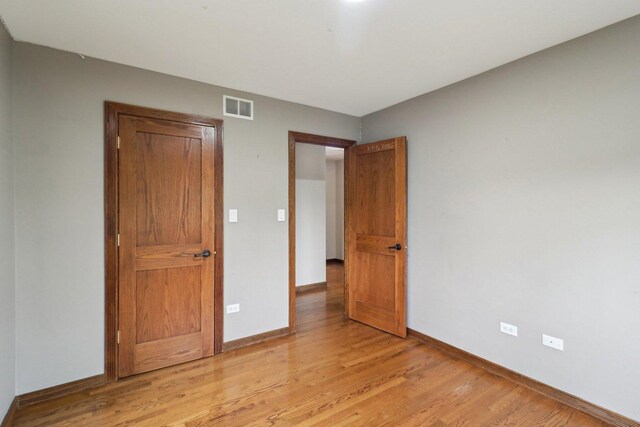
x=166, y=243
x=376, y=228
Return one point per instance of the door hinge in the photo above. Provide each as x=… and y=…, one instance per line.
x=118, y=337
x=118, y=240
x=118, y=142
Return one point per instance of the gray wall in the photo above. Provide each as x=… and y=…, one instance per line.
x=340, y=209
x=335, y=209
x=59, y=205
x=524, y=206
x=7, y=214
x=311, y=214
x=331, y=208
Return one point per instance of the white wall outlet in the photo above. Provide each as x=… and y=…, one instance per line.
x=233, y=308
x=281, y=215
x=553, y=342
x=233, y=215
x=508, y=329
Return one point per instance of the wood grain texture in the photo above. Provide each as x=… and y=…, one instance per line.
x=255, y=339
x=326, y=141
x=167, y=303
x=165, y=200
x=167, y=352
x=375, y=194
x=49, y=393
x=596, y=411
x=349, y=224
x=169, y=193
x=311, y=287
x=218, y=220
x=332, y=372
x=10, y=416
x=292, y=231
x=376, y=223
x=110, y=241
x=167, y=256
x=208, y=215
x=184, y=126
x=127, y=247
x=152, y=113
x=304, y=138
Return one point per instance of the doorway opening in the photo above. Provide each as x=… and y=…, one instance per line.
x=318, y=213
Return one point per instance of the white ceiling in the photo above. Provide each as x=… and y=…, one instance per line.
x=345, y=56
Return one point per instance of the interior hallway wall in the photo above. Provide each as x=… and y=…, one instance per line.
x=335, y=209
x=340, y=209
x=331, y=235
x=311, y=214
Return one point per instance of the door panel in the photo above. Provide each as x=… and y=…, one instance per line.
x=169, y=174
x=165, y=219
x=171, y=351
x=377, y=223
x=375, y=194
x=167, y=303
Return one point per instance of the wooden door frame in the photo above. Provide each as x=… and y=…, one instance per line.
x=326, y=141
x=112, y=111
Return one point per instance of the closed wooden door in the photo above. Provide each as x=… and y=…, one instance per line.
x=377, y=223
x=166, y=252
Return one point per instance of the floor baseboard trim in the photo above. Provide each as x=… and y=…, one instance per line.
x=255, y=339
x=575, y=402
x=60, y=390
x=312, y=287
x=10, y=416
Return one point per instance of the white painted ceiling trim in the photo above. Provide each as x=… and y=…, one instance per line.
x=343, y=56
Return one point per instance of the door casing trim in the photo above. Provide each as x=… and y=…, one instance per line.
x=306, y=138
x=112, y=111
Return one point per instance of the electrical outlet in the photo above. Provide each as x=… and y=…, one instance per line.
x=553, y=342
x=233, y=308
x=508, y=329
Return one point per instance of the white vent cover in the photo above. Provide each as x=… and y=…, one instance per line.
x=237, y=107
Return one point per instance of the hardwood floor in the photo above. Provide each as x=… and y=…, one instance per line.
x=332, y=372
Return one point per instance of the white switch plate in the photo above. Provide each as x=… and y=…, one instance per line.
x=233, y=308
x=553, y=342
x=280, y=215
x=508, y=329
x=233, y=215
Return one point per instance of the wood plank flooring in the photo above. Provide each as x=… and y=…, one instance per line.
x=332, y=372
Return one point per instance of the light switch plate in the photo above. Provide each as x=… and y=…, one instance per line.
x=281, y=216
x=233, y=215
x=233, y=308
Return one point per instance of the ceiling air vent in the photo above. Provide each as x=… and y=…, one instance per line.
x=237, y=107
